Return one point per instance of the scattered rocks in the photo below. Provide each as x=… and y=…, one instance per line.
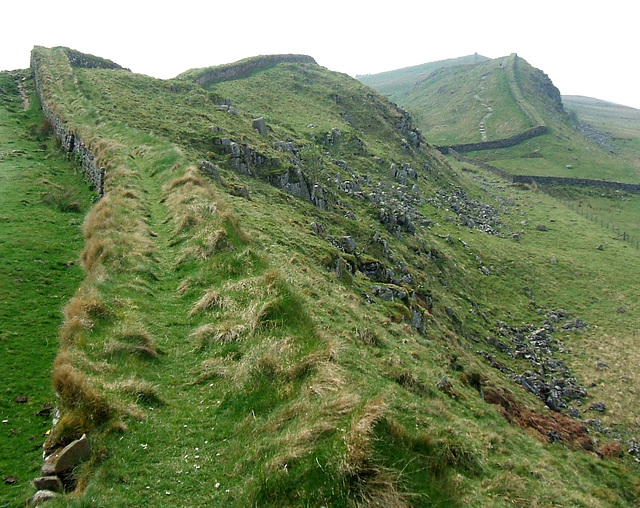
x=597, y=406
x=472, y=213
x=575, y=325
x=546, y=376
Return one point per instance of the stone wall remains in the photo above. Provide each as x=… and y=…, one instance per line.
x=245, y=67
x=549, y=181
x=498, y=143
x=71, y=143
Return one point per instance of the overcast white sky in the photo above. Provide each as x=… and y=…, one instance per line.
x=585, y=50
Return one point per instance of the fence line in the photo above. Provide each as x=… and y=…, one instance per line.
x=621, y=235
x=542, y=181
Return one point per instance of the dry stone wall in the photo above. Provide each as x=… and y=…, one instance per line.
x=498, y=143
x=245, y=67
x=550, y=181
x=71, y=143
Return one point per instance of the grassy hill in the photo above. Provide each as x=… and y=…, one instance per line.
x=291, y=299
x=396, y=82
x=615, y=126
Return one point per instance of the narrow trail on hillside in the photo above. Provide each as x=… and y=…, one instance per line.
x=23, y=93
x=483, y=123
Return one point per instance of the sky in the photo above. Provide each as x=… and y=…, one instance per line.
x=585, y=50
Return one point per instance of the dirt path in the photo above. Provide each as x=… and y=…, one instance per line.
x=23, y=93
x=483, y=122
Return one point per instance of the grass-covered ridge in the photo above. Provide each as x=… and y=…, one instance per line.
x=393, y=83
x=233, y=344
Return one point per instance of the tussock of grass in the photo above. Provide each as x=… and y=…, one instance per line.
x=80, y=314
x=100, y=219
x=213, y=368
x=211, y=299
x=185, y=286
x=226, y=333
x=95, y=247
x=372, y=485
x=143, y=391
x=189, y=180
x=368, y=337
x=65, y=200
x=135, y=342
x=359, y=435
x=77, y=392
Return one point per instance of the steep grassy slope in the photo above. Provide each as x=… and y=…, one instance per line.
x=42, y=203
x=396, y=82
x=275, y=328
x=465, y=103
x=567, y=150
x=613, y=125
x=501, y=98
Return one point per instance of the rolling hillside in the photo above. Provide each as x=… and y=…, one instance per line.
x=396, y=82
x=516, y=112
x=291, y=298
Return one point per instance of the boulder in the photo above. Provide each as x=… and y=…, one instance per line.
x=598, y=406
x=42, y=496
x=52, y=483
x=260, y=125
x=73, y=454
x=349, y=244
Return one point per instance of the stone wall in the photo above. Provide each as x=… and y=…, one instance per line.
x=71, y=143
x=243, y=68
x=549, y=181
x=579, y=182
x=498, y=143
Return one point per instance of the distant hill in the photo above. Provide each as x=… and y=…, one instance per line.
x=614, y=125
x=507, y=99
x=392, y=83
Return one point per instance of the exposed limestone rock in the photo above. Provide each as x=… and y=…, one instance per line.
x=260, y=125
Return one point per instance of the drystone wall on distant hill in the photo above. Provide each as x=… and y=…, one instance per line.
x=549, y=181
x=498, y=143
x=245, y=67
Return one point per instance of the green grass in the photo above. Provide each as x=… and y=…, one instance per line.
x=393, y=83
x=450, y=103
x=621, y=124
x=258, y=376
x=41, y=213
